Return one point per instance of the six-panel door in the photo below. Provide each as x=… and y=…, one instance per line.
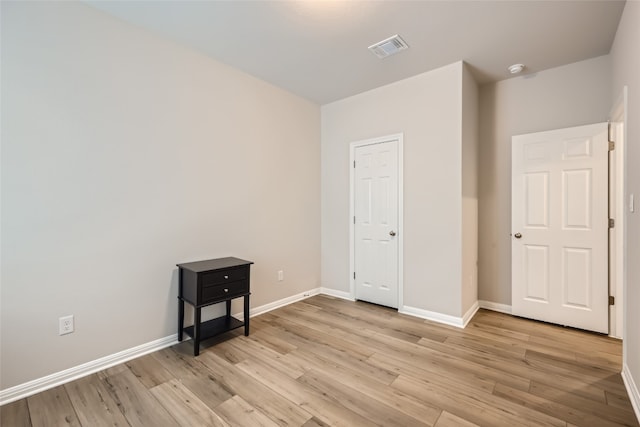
x=560, y=226
x=376, y=222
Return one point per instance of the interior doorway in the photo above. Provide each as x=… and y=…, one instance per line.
x=376, y=220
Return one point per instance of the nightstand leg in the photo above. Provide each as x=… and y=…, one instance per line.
x=246, y=315
x=180, y=318
x=228, y=304
x=196, y=331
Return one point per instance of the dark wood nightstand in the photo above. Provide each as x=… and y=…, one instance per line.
x=203, y=283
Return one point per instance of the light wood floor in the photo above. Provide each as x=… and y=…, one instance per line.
x=326, y=361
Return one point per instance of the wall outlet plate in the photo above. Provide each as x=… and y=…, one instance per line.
x=66, y=325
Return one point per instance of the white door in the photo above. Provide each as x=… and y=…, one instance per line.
x=376, y=223
x=560, y=226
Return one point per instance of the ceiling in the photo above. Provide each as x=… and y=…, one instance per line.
x=318, y=49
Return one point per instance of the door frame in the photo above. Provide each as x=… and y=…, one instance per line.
x=400, y=237
x=618, y=208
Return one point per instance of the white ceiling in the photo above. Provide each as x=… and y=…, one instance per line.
x=318, y=49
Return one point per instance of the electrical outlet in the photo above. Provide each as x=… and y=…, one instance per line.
x=66, y=325
x=280, y=275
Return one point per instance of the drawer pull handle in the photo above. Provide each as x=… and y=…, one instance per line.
x=226, y=290
x=226, y=277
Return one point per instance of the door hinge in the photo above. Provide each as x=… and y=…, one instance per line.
x=354, y=275
x=354, y=219
x=354, y=164
x=612, y=223
x=612, y=145
x=612, y=300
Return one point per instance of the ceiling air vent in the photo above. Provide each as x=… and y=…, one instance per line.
x=388, y=47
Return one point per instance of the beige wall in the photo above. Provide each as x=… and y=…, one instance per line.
x=428, y=109
x=571, y=95
x=625, y=55
x=469, y=172
x=122, y=155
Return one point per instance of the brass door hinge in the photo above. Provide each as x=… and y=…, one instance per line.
x=612, y=300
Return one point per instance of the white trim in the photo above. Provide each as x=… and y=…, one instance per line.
x=279, y=303
x=458, y=322
x=352, y=156
x=470, y=313
x=619, y=113
x=401, y=219
x=45, y=383
x=632, y=389
x=494, y=306
x=337, y=294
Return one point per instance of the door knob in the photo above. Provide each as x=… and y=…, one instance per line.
x=392, y=233
x=517, y=235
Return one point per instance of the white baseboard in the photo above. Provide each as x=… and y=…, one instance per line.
x=337, y=294
x=458, y=322
x=469, y=314
x=41, y=384
x=632, y=389
x=494, y=306
x=50, y=381
x=280, y=303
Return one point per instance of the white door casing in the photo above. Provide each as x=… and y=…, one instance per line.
x=560, y=226
x=617, y=210
x=375, y=195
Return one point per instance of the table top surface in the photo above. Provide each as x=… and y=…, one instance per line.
x=213, y=264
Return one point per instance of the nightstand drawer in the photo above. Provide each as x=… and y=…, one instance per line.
x=215, y=292
x=224, y=276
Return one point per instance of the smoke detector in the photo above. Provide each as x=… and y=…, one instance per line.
x=388, y=47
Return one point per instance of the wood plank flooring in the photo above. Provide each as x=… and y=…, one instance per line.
x=325, y=361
